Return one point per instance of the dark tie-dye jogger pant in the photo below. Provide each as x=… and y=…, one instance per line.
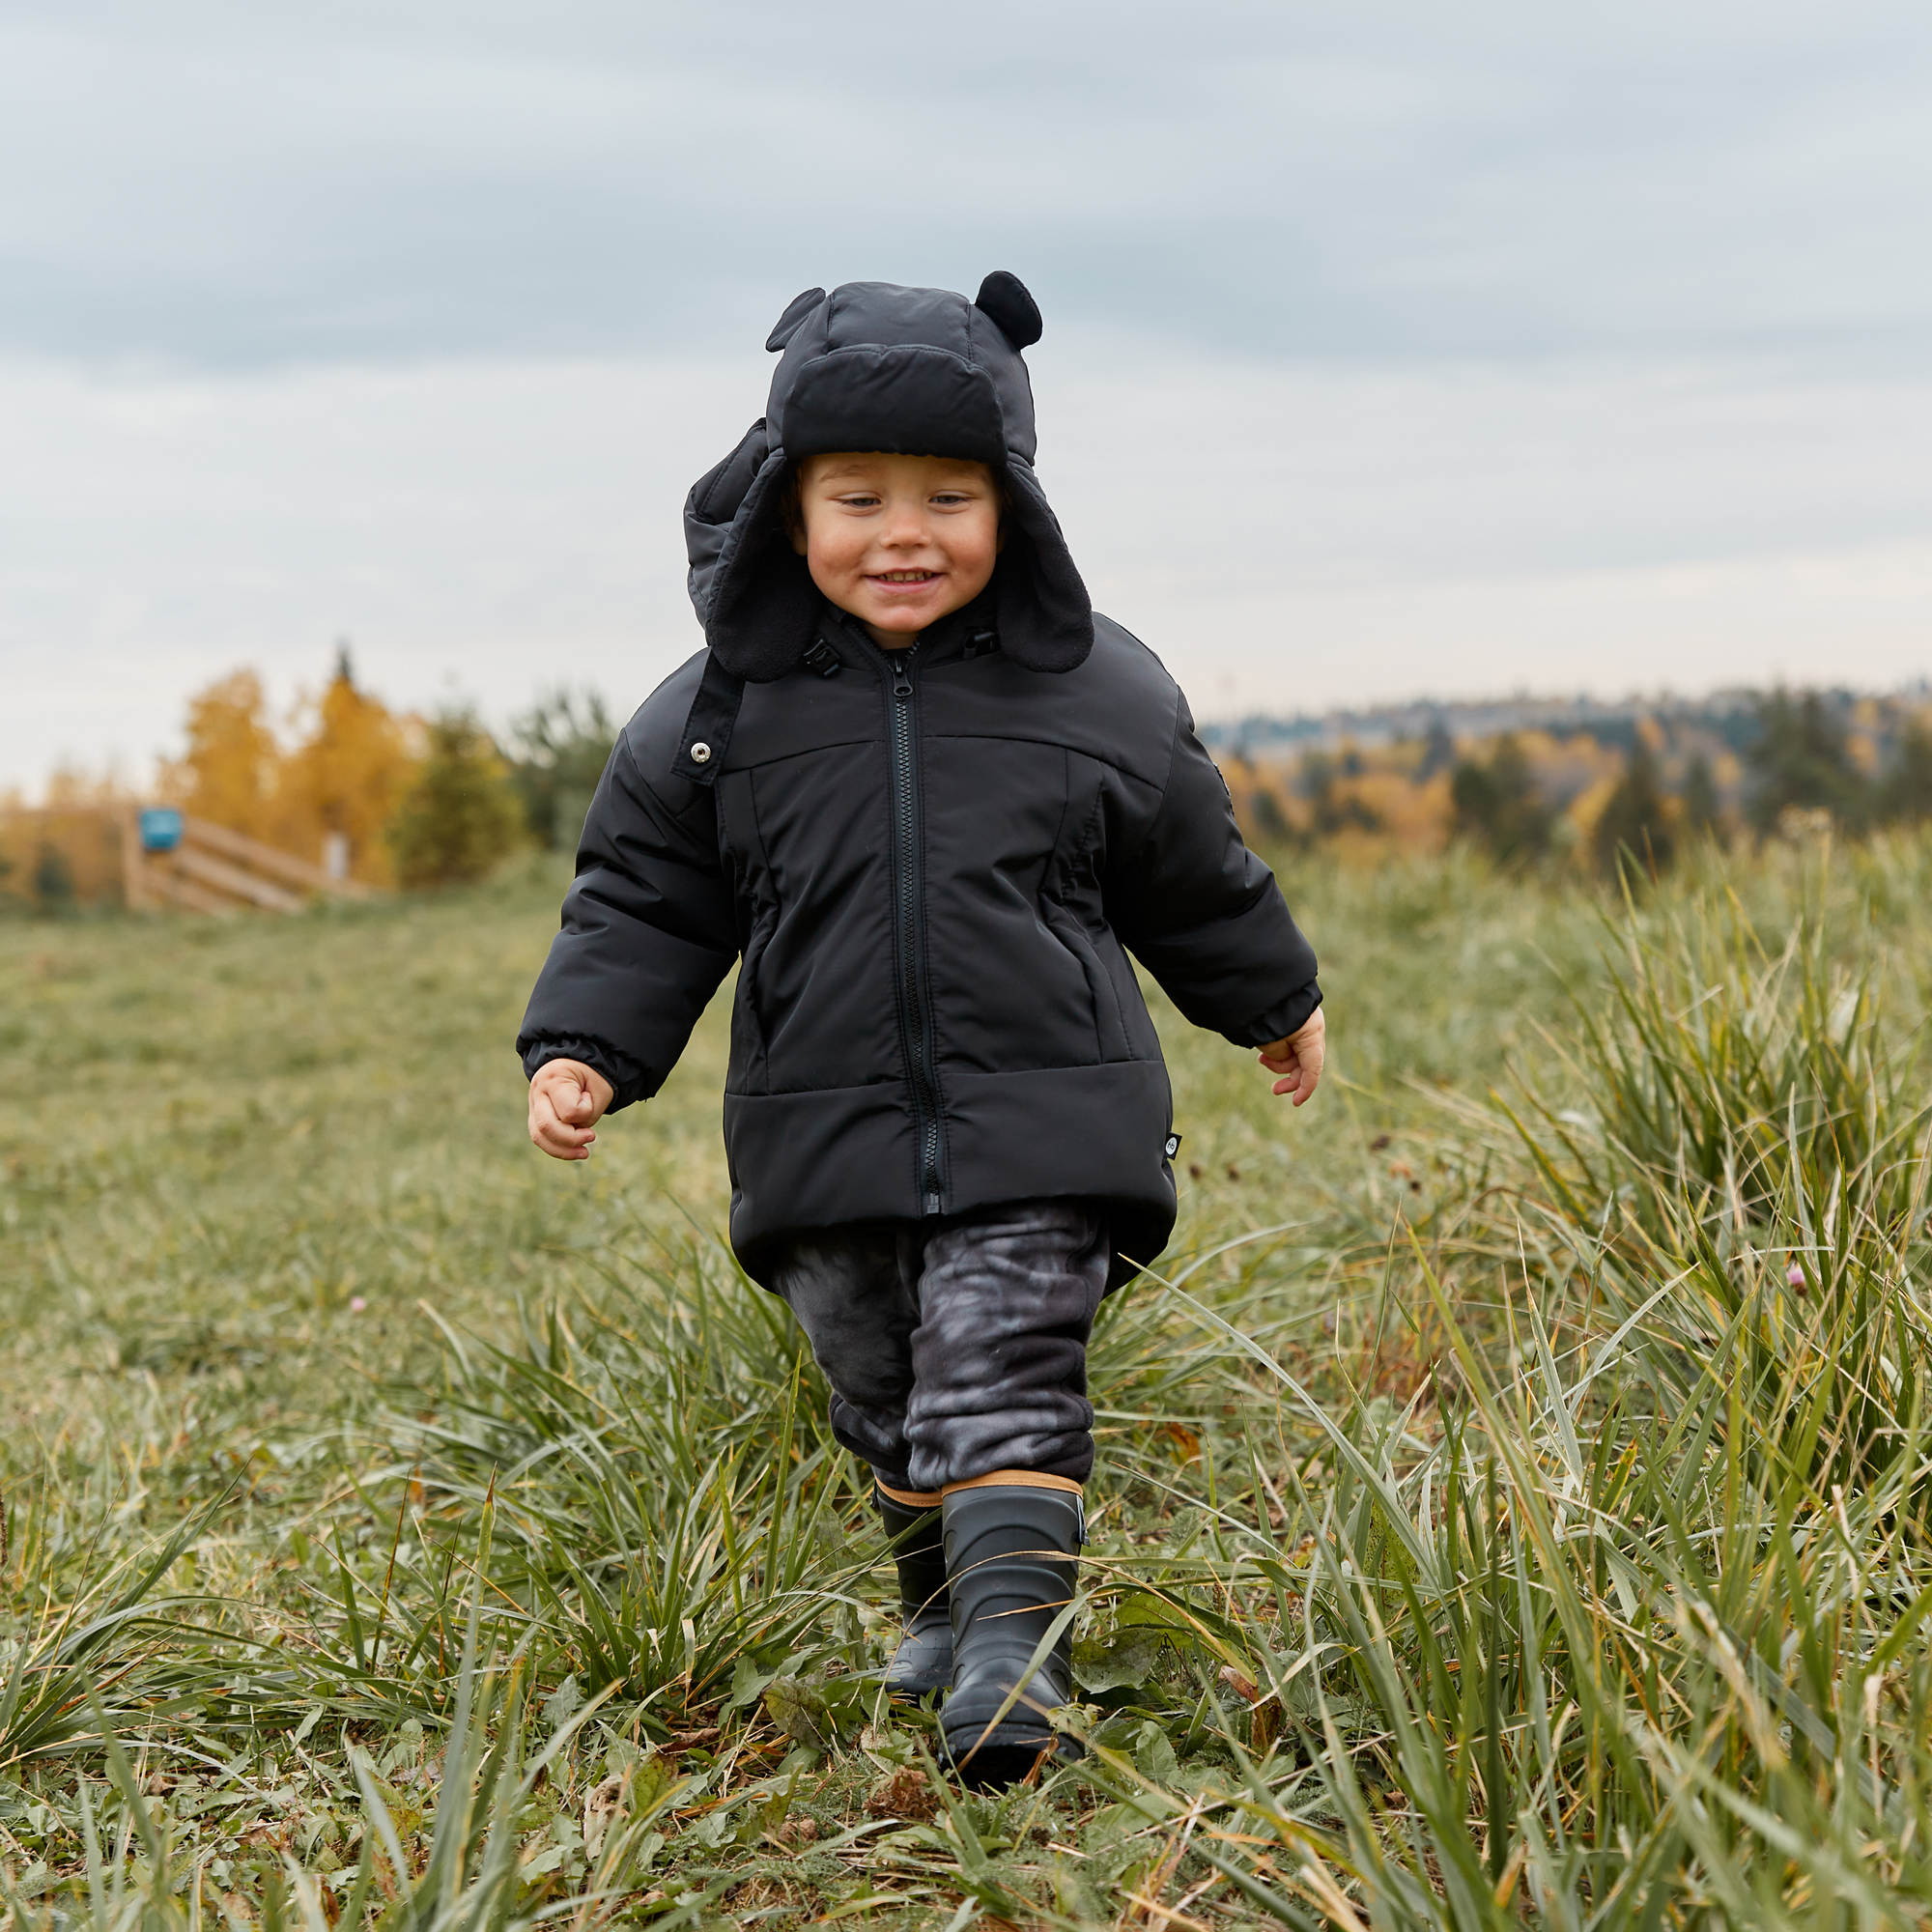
x=957, y=1347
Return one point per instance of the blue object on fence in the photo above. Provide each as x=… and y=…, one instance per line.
x=161, y=829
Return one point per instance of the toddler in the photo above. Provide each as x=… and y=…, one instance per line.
x=929, y=802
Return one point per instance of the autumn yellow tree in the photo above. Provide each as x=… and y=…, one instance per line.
x=351, y=767
x=230, y=771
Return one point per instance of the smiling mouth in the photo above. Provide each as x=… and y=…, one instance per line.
x=906, y=576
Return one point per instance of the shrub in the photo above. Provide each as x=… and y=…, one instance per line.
x=461, y=817
x=54, y=879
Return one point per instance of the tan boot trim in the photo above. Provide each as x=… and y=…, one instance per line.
x=912, y=1500
x=1017, y=1479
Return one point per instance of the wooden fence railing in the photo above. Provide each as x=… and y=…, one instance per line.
x=213, y=869
x=167, y=858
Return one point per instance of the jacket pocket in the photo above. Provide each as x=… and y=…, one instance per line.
x=751, y=1051
x=1110, y=1032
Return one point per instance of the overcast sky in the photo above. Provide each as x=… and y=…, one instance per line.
x=1391, y=348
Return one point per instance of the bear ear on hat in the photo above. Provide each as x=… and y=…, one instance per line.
x=1004, y=296
x=796, y=311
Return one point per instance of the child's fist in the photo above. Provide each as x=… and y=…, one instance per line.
x=567, y=1099
x=1299, y=1059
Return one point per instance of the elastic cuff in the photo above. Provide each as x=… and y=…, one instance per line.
x=625, y=1074
x=1282, y=1021
x=912, y=1500
x=1016, y=1479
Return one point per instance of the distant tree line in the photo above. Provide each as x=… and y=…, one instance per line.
x=1799, y=765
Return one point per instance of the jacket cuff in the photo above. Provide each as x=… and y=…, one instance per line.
x=1284, y=1018
x=626, y=1078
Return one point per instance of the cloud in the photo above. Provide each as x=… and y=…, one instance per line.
x=225, y=186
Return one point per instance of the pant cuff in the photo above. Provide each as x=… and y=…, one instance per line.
x=916, y=1499
x=1016, y=1479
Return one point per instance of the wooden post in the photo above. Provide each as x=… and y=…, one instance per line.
x=134, y=860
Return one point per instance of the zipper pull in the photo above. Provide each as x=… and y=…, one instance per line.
x=902, y=676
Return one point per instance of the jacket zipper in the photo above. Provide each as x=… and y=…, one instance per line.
x=913, y=1013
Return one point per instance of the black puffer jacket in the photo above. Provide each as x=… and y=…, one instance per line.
x=931, y=862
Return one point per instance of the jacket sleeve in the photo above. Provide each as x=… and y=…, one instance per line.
x=1205, y=916
x=649, y=929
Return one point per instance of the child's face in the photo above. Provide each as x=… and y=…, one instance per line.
x=897, y=541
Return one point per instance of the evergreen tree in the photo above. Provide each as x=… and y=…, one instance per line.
x=1700, y=799
x=1271, y=821
x=1498, y=805
x=1332, y=811
x=1801, y=760
x=1633, y=832
x=461, y=817
x=1905, y=792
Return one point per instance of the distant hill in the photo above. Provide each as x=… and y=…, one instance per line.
x=1729, y=716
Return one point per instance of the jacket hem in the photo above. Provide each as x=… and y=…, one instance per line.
x=822, y=1158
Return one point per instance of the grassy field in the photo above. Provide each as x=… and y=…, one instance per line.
x=1512, y=1498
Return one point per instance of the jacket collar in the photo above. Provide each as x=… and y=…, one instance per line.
x=969, y=632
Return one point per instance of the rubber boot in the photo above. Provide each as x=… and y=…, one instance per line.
x=1012, y=1552
x=924, y=1660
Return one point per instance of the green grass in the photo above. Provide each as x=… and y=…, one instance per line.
x=1510, y=1502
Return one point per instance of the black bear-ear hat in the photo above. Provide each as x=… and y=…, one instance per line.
x=875, y=366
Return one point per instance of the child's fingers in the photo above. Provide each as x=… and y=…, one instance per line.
x=557, y=1137
x=1299, y=1065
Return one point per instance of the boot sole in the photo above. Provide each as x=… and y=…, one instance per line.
x=1002, y=1762
x=915, y=1694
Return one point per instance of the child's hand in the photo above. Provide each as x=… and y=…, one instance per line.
x=1299, y=1059
x=567, y=1098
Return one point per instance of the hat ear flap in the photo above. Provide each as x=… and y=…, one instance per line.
x=796, y=311
x=1004, y=296
x=764, y=604
x=1045, y=616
